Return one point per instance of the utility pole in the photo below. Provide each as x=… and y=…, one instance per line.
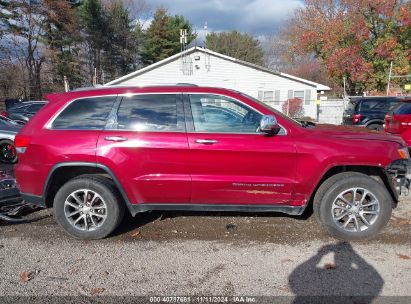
x=389, y=79
x=66, y=84
x=95, y=77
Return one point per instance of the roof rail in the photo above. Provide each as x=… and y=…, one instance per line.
x=184, y=84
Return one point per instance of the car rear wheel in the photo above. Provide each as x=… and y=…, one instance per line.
x=88, y=207
x=352, y=206
x=376, y=127
x=8, y=153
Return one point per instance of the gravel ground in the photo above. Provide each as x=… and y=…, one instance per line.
x=170, y=254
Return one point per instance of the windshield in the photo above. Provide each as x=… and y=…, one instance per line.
x=291, y=120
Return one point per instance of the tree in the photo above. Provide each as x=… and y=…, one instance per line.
x=354, y=39
x=94, y=22
x=122, y=49
x=63, y=43
x=162, y=38
x=238, y=45
x=23, y=33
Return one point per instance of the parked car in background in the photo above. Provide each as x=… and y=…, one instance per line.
x=8, y=130
x=93, y=154
x=369, y=112
x=398, y=121
x=21, y=112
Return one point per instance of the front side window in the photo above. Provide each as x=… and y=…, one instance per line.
x=154, y=112
x=215, y=113
x=85, y=114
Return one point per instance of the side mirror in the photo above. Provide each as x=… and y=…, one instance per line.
x=269, y=125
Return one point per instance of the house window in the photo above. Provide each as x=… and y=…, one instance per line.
x=277, y=97
x=299, y=95
x=307, y=97
x=268, y=96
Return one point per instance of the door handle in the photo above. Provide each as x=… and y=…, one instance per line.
x=115, y=138
x=206, y=141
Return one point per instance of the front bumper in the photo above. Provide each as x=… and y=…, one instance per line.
x=399, y=174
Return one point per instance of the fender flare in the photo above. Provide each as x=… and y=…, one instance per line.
x=88, y=164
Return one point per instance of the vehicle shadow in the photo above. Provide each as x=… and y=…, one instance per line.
x=350, y=279
x=130, y=223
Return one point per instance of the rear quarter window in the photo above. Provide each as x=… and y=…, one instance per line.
x=85, y=114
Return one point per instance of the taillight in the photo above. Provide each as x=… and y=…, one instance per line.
x=356, y=118
x=21, y=142
x=4, y=113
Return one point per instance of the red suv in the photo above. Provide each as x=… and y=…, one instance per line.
x=398, y=121
x=93, y=154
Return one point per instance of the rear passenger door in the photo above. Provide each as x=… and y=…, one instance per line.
x=146, y=147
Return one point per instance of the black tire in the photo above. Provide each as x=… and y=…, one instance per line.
x=8, y=153
x=109, y=197
x=331, y=188
x=376, y=127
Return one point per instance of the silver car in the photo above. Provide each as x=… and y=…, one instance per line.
x=8, y=130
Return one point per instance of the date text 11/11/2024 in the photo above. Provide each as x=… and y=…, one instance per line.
x=202, y=299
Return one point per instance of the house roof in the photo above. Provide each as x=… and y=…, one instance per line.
x=318, y=86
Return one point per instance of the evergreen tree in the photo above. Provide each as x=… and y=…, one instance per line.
x=63, y=41
x=94, y=23
x=162, y=38
x=238, y=45
x=121, y=50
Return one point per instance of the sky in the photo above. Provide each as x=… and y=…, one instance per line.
x=257, y=17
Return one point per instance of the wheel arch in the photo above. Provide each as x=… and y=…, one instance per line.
x=63, y=172
x=375, y=172
x=374, y=121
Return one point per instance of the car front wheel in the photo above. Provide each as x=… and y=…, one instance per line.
x=88, y=207
x=352, y=206
x=8, y=153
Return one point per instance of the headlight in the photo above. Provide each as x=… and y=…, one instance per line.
x=403, y=152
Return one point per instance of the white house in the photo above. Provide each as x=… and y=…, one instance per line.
x=207, y=68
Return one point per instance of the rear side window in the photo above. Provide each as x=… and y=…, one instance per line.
x=19, y=108
x=404, y=108
x=154, y=112
x=85, y=114
x=380, y=105
x=35, y=107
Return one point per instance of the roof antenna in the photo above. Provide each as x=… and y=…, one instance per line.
x=207, y=63
x=186, y=64
x=206, y=33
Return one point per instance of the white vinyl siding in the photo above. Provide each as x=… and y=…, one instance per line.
x=215, y=71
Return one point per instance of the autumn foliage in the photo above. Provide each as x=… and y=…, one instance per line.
x=355, y=39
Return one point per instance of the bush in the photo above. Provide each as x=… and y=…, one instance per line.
x=293, y=107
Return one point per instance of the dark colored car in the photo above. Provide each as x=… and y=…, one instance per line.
x=398, y=121
x=21, y=112
x=93, y=154
x=369, y=112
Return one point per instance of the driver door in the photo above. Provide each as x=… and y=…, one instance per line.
x=231, y=162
